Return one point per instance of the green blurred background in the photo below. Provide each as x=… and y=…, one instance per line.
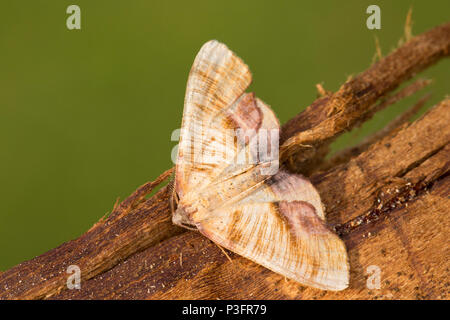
x=86, y=115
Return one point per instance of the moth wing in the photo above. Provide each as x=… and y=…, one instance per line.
x=281, y=233
x=256, y=159
x=286, y=186
x=257, y=135
x=216, y=80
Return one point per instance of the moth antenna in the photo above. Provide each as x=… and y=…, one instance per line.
x=173, y=194
x=172, y=210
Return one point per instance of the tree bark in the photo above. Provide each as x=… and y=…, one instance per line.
x=389, y=201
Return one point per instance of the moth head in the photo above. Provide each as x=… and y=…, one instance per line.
x=181, y=218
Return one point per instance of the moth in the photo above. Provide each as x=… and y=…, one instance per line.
x=239, y=197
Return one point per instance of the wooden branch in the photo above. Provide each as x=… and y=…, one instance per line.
x=135, y=224
x=400, y=226
x=348, y=153
x=174, y=259
x=303, y=146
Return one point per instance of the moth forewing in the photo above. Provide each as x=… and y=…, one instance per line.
x=216, y=80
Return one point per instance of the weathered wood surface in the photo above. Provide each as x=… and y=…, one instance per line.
x=400, y=225
x=148, y=257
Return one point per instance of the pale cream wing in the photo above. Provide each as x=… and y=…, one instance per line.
x=256, y=156
x=218, y=78
x=285, y=235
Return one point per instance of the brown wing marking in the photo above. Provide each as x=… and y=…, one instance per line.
x=246, y=115
x=286, y=186
x=278, y=227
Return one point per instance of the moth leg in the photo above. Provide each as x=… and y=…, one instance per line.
x=224, y=252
